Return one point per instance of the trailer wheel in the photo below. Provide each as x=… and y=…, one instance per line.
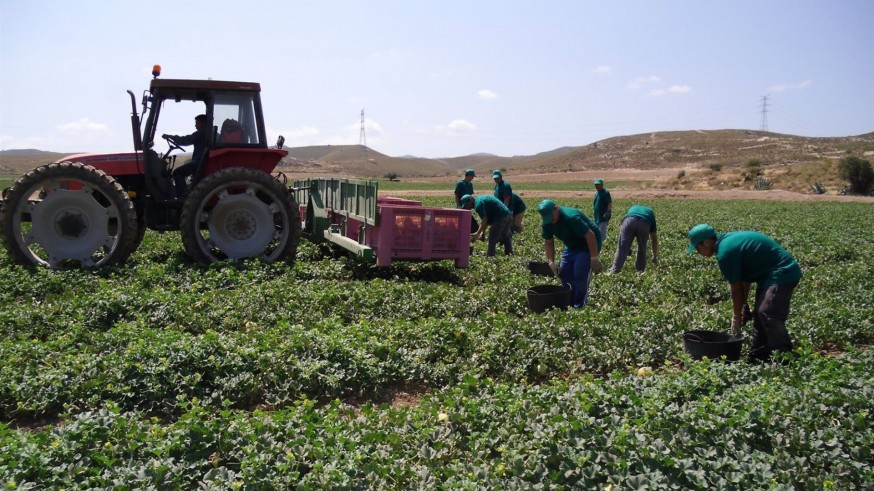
x=240, y=213
x=68, y=214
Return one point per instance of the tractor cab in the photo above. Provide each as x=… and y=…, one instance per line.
x=234, y=124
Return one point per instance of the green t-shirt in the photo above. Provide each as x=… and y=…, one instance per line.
x=502, y=190
x=753, y=257
x=571, y=229
x=463, y=187
x=490, y=208
x=517, y=206
x=644, y=213
x=600, y=204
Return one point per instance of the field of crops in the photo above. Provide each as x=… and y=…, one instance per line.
x=329, y=373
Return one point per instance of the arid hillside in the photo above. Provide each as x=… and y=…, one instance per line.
x=719, y=159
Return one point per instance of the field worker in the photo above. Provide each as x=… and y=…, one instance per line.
x=503, y=190
x=746, y=257
x=582, y=243
x=464, y=186
x=638, y=224
x=517, y=207
x=492, y=213
x=199, y=139
x=603, y=207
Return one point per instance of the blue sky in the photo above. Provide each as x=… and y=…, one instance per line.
x=443, y=78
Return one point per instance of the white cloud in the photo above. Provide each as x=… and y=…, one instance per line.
x=350, y=134
x=461, y=125
x=640, y=82
x=674, y=89
x=389, y=54
x=487, y=95
x=603, y=69
x=785, y=87
x=83, y=125
x=455, y=127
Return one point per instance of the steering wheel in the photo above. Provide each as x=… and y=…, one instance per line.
x=172, y=144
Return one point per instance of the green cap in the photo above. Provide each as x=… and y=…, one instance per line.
x=545, y=208
x=599, y=181
x=496, y=174
x=465, y=199
x=698, y=234
x=470, y=172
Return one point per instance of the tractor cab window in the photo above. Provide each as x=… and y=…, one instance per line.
x=234, y=119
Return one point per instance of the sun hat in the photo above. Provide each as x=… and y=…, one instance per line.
x=545, y=208
x=470, y=172
x=496, y=174
x=465, y=199
x=698, y=234
x=599, y=181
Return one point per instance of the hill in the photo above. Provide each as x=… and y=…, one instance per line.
x=702, y=158
x=658, y=150
x=17, y=162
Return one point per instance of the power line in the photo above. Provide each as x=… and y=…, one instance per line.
x=362, y=137
x=764, y=113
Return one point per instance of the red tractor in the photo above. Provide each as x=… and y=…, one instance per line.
x=92, y=210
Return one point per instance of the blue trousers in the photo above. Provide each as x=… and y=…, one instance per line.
x=576, y=270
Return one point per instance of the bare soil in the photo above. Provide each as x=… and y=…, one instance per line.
x=660, y=177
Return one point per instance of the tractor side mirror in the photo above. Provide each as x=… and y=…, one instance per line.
x=280, y=142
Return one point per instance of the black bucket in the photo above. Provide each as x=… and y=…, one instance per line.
x=539, y=268
x=542, y=297
x=712, y=344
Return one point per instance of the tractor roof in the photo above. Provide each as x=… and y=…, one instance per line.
x=173, y=84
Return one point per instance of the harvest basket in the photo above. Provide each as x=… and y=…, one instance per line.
x=542, y=297
x=539, y=268
x=712, y=344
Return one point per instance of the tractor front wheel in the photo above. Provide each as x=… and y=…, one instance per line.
x=68, y=214
x=240, y=213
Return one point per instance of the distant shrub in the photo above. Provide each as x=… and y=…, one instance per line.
x=715, y=167
x=681, y=174
x=763, y=184
x=752, y=170
x=392, y=176
x=859, y=174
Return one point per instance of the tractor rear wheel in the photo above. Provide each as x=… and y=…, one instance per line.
x=240, y=213
x=62, y=214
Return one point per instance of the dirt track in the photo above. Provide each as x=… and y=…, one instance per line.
x=585, y=179
x=737, y=194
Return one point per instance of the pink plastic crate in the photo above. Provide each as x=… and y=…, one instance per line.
x=406, y=232
x=388, y=200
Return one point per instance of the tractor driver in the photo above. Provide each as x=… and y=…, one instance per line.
x=199, y=139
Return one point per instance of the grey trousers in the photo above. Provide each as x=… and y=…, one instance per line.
x=603, y=228
x=771, y=310
x=632, y=228
x=500, y=231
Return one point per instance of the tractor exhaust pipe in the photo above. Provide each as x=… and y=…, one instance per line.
x=135, y=123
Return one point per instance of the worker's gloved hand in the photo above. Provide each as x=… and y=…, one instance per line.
x=554, y=268
x=747, y=314
x=655, y=259
x=596, y=265
x=736, y=322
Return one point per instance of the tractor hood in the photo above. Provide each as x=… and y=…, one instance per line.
x=113, y=164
